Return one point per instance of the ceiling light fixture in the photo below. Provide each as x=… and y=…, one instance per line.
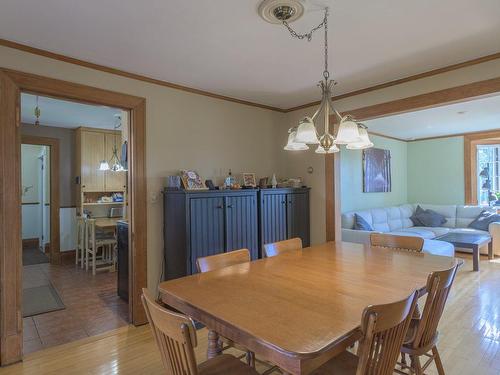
x=116, y=165
x=350, y=132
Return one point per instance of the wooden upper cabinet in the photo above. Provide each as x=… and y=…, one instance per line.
x=92, y=150
x=93, y=146
x=113, y=181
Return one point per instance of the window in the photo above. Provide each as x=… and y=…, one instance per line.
x=488, y=174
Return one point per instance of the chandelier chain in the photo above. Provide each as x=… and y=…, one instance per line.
x=326, y=74
x=308, y=35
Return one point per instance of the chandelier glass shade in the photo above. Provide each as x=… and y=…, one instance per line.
x=292, y=144
x=349, y=132
x=114, y=163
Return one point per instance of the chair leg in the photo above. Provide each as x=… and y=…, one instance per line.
x=250, y=358
x=415, y=364
x=437, y=360
x=94, y=259
x=86, y=259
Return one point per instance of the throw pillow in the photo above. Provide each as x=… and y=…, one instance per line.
x=361, y=224
x=427, y=218
x=414, y=218
x=483, y=220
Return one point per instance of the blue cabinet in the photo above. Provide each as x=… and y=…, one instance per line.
x=198, y=224
x=284, y=214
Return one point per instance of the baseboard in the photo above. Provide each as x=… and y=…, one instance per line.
x=30, y=243
x=68, y=256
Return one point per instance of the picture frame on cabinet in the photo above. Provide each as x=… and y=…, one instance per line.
x=191, y=180
x=249, y=179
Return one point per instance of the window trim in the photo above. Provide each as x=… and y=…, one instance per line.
x=471, y=141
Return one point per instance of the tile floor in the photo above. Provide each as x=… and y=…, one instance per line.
x=92, y=306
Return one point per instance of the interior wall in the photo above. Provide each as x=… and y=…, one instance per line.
x=183, y=130
x=295, y=163
x=352, y=195
x=66, y=158
x=436, y=171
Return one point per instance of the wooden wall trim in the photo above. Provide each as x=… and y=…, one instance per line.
x=11, y=84
x=102, y=68
x=471, y=142
x=428, y=100
x=53, y=143
x=11, y=323
x=122, y=73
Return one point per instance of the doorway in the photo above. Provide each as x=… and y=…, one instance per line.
x=12, y=84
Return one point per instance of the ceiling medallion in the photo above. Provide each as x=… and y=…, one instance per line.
x=277, y=11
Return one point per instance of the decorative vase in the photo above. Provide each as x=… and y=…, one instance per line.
x=274, y=182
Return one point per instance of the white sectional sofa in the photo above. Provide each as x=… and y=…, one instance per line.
x=396, y=220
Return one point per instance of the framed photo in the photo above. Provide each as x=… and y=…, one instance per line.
x=249, y=179
x=191, y=180
x=263, y=182
x=376, y=170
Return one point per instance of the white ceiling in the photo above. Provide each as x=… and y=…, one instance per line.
x=64, y=114
x=458, y=118
x=224, y=47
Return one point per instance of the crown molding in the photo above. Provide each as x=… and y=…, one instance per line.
x=119, y=72
x=414, y=77
x=139, y=77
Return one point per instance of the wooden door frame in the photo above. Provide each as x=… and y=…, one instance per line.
x=53, y=143
x=12, y=83
x=438, y=98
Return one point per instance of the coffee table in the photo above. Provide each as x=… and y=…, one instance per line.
x=469, y=241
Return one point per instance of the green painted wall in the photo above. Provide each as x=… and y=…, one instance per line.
x=436, y=171
x=352, y=196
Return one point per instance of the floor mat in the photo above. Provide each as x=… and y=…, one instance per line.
x=34, y=256
x=41, y=299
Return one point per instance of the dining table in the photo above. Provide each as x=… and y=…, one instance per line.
x=106, y=223
x=299, y=309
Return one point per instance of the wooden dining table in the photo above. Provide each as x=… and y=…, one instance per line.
x=302, y=308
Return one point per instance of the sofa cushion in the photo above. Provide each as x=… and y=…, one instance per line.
x=483, y=220
x=438, y=231
x=424, y=233
x=467, y=214
x=448, y=211
x=360, y=223
x=427, y=218
x=437, y=247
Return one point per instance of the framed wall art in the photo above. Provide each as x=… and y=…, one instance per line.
x=376, y=170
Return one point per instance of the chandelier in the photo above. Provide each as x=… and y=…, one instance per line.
x=116, y=165
x=37, y=112
x=349, y=132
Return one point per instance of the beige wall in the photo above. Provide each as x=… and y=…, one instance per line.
x=191, y=131
x=296, y=163
x=184, y=130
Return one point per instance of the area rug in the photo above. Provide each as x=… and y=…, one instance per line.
x=34, y=256
x=41, y=299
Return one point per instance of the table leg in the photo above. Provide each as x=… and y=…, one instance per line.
x=214, y=348
x=475, y=258
x=490, y=251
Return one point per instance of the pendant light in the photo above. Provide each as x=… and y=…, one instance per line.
x=37, y=112
x=116, y=165
x=350, y=132
x=292, y=144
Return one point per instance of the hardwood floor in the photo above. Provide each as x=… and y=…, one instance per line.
x=469, y=344
x=92, y=306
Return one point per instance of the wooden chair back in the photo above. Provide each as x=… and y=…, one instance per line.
x=215, y=262
x=277, y=248
x=410, y=243
x=438, y=286
x=89, y=234
x=80, y=239
x=175, y=335
x=384, y=328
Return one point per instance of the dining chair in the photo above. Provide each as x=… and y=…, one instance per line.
x=410, y=243
x=277, y=248
x=80, y=241
x=218, y=261
x=175, y=336
x=215, y=262
x=384, y=329
x=106, y=242
x=422, y=336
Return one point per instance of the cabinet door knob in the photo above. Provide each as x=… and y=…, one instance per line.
x=219, y=206
x=229, y=206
